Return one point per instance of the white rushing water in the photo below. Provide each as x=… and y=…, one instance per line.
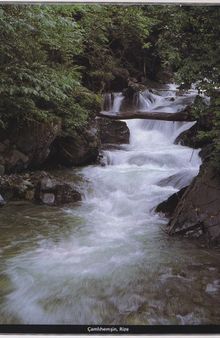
x=113, y=266
x=113, y=102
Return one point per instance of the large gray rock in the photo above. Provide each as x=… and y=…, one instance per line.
x=38, y=187
x=77, y=148
x=197, y=214
x=113, y=132
x=27, y=147
x=47, y=198
x=56, y=192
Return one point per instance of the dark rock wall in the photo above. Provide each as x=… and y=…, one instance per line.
x=81, y=147
x=197, y=214
x=37, y=145
x=27, y=147
x=168, y=207
x=113, y=132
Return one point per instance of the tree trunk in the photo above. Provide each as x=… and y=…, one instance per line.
x=183, y=116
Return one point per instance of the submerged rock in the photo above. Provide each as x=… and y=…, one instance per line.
x=197, y=214
x=113, y=132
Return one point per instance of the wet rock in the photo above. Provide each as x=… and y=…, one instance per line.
x=48, y=198
x=112, y=146
x=113, y=132
x=80, y=147
x=2, y=201
x=16, y=160
x=56, y=192
x=178, y=180
x=189, y=138
x=184, y=86
x=130, y=92
x=168, y=207
x=46, y=184
x=38, y=187
x=197, y=214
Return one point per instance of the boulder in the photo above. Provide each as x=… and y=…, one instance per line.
x=47, y=198
x=56, y=192
x=113, y=132
x=37, y=187
x=77, y=148
x=189, y=138
x=197, y=214
x=27, y=147
x=13, y=187
x=168, y=207
x=178, y=180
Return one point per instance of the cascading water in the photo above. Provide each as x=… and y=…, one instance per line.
x=116, y=265
x=112, y=102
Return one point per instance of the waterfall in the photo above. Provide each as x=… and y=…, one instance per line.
x=116, y=266
x=112, y=102
x=108, y=102
x=167, y=102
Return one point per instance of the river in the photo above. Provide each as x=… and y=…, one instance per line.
x=107, y=259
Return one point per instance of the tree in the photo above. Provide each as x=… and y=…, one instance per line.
x=39, y=79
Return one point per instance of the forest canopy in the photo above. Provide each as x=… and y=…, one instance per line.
x=57, y=60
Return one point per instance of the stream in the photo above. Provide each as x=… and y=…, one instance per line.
x=107, y=259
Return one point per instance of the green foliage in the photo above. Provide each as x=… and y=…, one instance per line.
x=115, y=47
x=56, y=60
x=209, y=125
x=39, y=79
x=189, y=43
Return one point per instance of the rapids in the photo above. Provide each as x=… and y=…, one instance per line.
x=107, y=259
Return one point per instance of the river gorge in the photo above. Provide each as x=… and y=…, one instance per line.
x=107, y=259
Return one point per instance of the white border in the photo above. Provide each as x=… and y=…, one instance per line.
x=195, y=2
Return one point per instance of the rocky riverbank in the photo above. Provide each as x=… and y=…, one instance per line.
x=194, y=211
x=40, y=187
x=26, y=153
x=197, y=214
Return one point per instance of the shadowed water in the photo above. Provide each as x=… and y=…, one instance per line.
x=107, y=260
